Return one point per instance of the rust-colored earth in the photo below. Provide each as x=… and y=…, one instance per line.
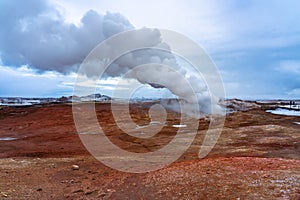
x=257, y=157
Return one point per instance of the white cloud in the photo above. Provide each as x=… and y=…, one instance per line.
x=226, y=29
x=290, y=66
x=295, y=92
x=218, y=25
x=194, y=18
x=28, y=82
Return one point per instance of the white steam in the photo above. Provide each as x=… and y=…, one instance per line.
x=143, y=55
x=37, y=35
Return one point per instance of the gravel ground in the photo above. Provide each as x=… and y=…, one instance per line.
x=256, y=157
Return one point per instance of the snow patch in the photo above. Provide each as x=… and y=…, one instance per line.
x=280, y=111
x=8, y=139
x=290, y=106
x=179, y=126
x=152, y=123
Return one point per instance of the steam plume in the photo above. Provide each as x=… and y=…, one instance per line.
x=37, y=35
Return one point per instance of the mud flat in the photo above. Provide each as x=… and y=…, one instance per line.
x=257, y=156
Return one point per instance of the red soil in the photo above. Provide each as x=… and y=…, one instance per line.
x=257, y=156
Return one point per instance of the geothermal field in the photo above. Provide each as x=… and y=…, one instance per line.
x=149, y=100
x=257, y=155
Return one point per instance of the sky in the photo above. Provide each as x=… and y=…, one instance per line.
x=255, y=44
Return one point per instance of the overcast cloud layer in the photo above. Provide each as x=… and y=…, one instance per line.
x=255, y=44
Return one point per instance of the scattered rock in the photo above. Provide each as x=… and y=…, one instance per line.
x=234, y=105
x=3, y=194
x=75, y=167
x=193, y=178
x=78, y=191
x=89, y=192
x=102, y=194
x=110, y=190
x=265, y=175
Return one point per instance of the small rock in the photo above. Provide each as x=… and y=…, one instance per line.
x=88, y=192
x=3, y=194
x=77, y=191
x=39, y=189
x=102, y=194
x=75, y=167
x=110, y=190
x=265, y=175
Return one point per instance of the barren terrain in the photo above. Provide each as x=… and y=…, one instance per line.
x=257, y=157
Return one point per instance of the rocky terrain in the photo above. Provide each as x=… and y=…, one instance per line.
x=41, y=157
x=22, y=101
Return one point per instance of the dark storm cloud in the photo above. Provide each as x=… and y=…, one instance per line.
x=34, y=33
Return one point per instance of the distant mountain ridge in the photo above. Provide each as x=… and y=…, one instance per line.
x=23, y=101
